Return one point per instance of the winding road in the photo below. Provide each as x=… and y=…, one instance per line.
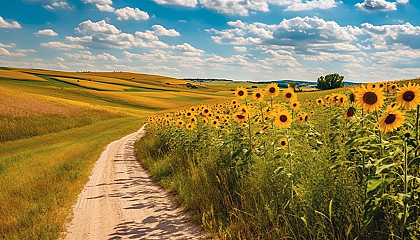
x=121, y=201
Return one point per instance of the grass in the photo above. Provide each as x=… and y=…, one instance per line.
x=38, y=190
x=53, y=129
x=333, y=178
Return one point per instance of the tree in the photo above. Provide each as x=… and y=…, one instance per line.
x=330, y=81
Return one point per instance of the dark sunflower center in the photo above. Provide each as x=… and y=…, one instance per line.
x=283, y=118
x=381, y=85
x=272, y=90
x=288, y=95
x=351, y=111
x=370, y=98
x=258, y=95
x=206, y=110
x=234, y=102
x=294, y=104
x=241, y=93
x=283, y=143
x=408, y=96
x=189, y=114
x=390, y=119
x=301, y=118
x=319, y=101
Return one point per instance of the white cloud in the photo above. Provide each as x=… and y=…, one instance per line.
x=234, y=7
x=377, y=5
x=10, y=45
x=128, y=13
x=81, y=56
x=102, y=2
x=239, y=49
x=185, y=3
x=26, y=50
x=48, y=32
x=386, y=35
x=188, y=49
x=61, y=46
x=310, y=5
x=5, y=52
x=104, y=7
x=89, y=27
x=8, y=24
x=402, y=1
x=107, y=57
x=58, y=5
x=161, y=31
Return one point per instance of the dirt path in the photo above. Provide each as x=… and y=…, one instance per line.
x=121, y=201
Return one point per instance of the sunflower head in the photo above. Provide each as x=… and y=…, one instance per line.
x=190, y=126
x=258, y=95
x=241, y=92
x=214, y=123
x=272, y=90
x=180, y=123
x=350, y=112
x=289, y=94
x=240, y=117
x=369, y=98
x=283, y=143
x=319, y=101
x=283, y=119
x=302, y=118
x=408, y=96
x=391, y=120
x=295, y=105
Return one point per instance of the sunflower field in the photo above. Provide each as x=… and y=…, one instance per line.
x=270, y=165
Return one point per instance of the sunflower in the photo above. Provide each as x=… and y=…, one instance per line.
x=319, y=101
x=206, y=111
x=193, y=120
x=272, y=90
x=205, y=121
x=240, y=117
x=289, y=94
x=312, y=112
x=369, y=98
x=241, y=92
x=258, y=95
x=214, y=123
x=295, y=105
x=302, y=118
x=283, y=142
x=381, y=85
x=190, y=126
x=267, y=111
x=393, y=87
x=342, y=99
x=188, y=114
x=408, y=96
x=392, y=120
x=234, y=102
x=350, y=112
x=180, y=123
x=283, y=119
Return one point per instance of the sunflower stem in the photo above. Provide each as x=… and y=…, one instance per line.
x=291, y=163
x=405, y=190
x=262, y=113
x=379, y=134
x=363, y=154
x=417, y=129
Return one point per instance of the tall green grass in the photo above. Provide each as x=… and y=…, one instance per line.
x=41, y=177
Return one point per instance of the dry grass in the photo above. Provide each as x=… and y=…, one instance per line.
x=19, y=75
x=93, y=84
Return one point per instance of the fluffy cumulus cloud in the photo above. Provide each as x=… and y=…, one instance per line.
x=384, y=36
x=161, y=31
x=102, y=35
x=189, y=50
x=89, y=27
x=185, y=3
x=377, y=5
x=239, y=49
x=102, y=5
x=48, y=32
x=9, y=24
x=243, y=8
x=105, y=7
x=310, y=5
x=58, y=5
x=131, y=13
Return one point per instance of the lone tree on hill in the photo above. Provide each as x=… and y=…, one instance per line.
x=330, y=81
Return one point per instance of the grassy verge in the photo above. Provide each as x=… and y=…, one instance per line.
x=41, y=177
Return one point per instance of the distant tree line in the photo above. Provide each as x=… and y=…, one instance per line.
x=330, y=81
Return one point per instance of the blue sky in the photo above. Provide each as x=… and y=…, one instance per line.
x=364, y=40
